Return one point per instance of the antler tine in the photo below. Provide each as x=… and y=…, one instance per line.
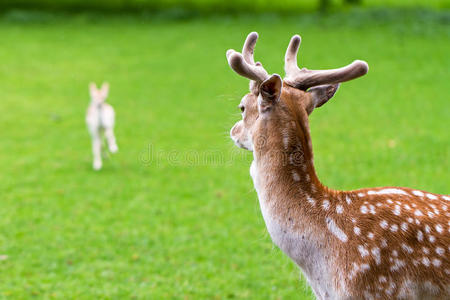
x=244, y=64
x=290, y=58
x=304, y=78
x=249, y=47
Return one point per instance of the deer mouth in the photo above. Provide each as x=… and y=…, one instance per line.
x=240, y=144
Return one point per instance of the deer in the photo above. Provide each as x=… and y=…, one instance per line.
x=100, y=118
x=369, y=243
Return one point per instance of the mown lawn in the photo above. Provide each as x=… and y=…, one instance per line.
x=173, y=215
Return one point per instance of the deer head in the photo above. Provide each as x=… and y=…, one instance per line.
x=272, y=103
x=98, y=95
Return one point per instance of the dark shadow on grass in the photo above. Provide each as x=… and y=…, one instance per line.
x=422, y=19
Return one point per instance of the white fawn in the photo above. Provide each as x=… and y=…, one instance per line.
x=372, y=243
x=100, y=120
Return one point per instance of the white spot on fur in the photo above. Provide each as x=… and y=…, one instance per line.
x=339, y=209
x=418, y=193
x=311, y=200
x=376, y=254
x=394, y=227
x=404, y=226
x=426, y=261
x=354, y=271
x=372, y=209
x=439, y=228
x=326, y=204
x=390, y=289
x=407, y=248
x=431, y=238
x=364, y=209
x=388, y=191
x=427, y=229
x=348, y=200
x=384, y=224
x=383, y=243
x=397, y=210
x=361, y=194
x=295, y=175
x=418, y=213
x=410, y=220
x=420, y=236
x=389, y=201
x=425, y=250
x=440, y=251
x=382, y=279
x=336, y=230
x=430, y=214
x=446, y=198
x=370, y=235
x=356, y=230
x=285, y=138
x=398, y=263
x=407, y=207
x=431, y=196
x=436, y=262
x=364, y=267
x=363, y=251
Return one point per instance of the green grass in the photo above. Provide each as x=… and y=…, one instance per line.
x=184, y=222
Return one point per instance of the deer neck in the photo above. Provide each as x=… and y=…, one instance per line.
x=290, y=197
x=283, y=168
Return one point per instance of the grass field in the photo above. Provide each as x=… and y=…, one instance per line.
x=173, y=215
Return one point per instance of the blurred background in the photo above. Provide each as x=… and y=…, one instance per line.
x=174, y=215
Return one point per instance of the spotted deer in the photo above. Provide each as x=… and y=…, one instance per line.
x=100, y=120
x=371, y=243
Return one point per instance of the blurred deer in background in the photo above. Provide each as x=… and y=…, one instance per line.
x=100, y=120
x=372, y=243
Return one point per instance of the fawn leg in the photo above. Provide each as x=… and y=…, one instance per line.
x=111, y=139
x=97, y=151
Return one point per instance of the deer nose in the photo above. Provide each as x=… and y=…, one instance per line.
x=235, y=130
x=232, y=133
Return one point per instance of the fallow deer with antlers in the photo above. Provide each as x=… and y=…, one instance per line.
x=371, y=243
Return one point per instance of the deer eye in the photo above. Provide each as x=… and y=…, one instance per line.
x=242, y=108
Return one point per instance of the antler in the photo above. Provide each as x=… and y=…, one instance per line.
x=304, y=78
x=244, y=64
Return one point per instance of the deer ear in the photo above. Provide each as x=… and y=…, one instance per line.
x=270, y=91
x=321, y=94
x=92, y=88
x=105, y=89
